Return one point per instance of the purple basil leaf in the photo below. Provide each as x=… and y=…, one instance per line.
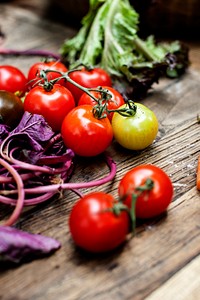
x=25, y=141
x=16, y=245
x=31, y=135
x=35, y=126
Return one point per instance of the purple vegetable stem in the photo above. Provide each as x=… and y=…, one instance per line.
x=30, y=52
x=72, y=186
x=49, y=190
x=21, y=194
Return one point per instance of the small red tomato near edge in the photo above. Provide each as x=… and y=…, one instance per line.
x=94, y=227
x=12, y=80
x=53, y=105
x=149, y=203
x=33, y=73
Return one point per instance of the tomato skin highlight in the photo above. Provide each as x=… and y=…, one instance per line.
x=33, y=73
x=85, y=134
x=136, y=132
x=12, y=79
x=89, y=79
x=115, y=102
x=53, y=105
x=150, y=203
x=93, y=227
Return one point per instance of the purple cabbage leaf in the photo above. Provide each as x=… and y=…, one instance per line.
x=32, y=132
x=34, y=125
x=17, y=245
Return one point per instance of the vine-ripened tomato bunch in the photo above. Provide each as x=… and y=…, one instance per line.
x=99, y=223
x=83, y=106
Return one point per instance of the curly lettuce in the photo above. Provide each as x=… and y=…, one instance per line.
x=109, y=39
x=106, y=36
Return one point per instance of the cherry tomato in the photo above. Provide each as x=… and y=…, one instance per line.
x=94, y=226
x=34, y=71
x=89, y=79
x=114, y=102
x=85, y=134
x=135, y=132
x=53, y=105
x=11, y=109
x=149, y=203
x=12, y=80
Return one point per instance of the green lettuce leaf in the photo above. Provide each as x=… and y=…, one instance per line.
x=109, y=39
x=106, y=36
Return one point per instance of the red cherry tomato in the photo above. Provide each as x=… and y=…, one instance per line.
x=53, y=105
x=33, y=74
x=114, y=102
x=84, y=133
x=12, y=80
x=149, y=203
x=94, y=226
x=89, y=79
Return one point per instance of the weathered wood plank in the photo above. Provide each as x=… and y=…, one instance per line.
x=182, y=286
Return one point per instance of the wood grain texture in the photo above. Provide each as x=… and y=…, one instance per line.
x=182, y=286
x=164, y=254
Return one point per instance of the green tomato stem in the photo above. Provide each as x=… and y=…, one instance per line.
x=100, y=110
x=147, y=186
x=128, y=111
x=132, y=213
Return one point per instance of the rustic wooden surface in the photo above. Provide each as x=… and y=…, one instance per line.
x=163, y=260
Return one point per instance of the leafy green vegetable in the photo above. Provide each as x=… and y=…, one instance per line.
x=106, y=37
x=109, y=38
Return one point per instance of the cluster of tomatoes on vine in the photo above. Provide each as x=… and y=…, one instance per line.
x=83, y=106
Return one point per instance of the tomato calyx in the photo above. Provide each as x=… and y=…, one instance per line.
x=100, y=110
x=43, y=80
x=139, y=190
x=147, y=186
x=118, y=207
x=48, y=86
x=128, y=111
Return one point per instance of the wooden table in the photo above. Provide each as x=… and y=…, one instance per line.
x=163, y=260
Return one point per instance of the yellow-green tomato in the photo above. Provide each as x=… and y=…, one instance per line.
x=135, y=132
